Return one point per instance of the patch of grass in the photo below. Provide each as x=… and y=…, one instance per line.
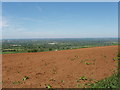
x=84, y=60
x=90, y=79
x=62, y=81
x=82, y=78
x=87, y=84
x=79, y=86
x=88, y=63
x=11, y=52
x=18, y=82
x=110, y=82
x=48, y=86
x=25, y=78
x=1, y=82
x=116, y=58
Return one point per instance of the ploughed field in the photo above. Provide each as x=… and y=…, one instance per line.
x=59, y=69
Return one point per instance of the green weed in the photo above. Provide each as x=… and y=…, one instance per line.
x=82, y=78
x=116, y=58
x=25, y=78
x=62, y=81
x=48, y=86
x=88, y=63
x=1, y=82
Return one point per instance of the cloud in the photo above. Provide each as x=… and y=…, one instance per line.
x=3, y=23
x=13, y=27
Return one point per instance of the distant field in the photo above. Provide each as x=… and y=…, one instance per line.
x=43, y=45
x=11, y=52
x=47, y=50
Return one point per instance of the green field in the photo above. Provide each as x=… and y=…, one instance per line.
x=42, y=45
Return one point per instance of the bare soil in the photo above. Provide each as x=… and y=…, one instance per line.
x=59, y=69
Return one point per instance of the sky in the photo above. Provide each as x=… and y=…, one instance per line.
x=59, y=20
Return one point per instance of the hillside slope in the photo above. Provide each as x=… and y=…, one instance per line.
x=58, y=69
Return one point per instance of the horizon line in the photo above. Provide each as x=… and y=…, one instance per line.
x=60, y=38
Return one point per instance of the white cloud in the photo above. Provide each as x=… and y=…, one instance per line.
x=3, y=23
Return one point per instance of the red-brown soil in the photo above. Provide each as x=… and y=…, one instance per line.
x=60, y=69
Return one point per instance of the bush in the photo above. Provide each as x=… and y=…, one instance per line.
x=34, y=50
x=50, y=49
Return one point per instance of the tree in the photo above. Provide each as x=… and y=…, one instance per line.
x=50, y=49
